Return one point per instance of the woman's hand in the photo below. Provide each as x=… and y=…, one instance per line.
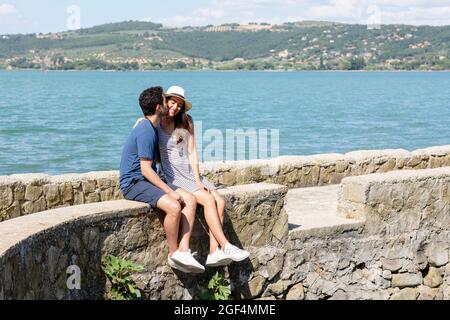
x=202, y=186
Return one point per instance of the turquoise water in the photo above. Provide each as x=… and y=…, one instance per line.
x=59, y=122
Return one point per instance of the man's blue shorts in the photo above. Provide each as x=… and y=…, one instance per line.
x=144, y=191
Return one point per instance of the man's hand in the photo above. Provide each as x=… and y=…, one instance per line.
x=177, y=197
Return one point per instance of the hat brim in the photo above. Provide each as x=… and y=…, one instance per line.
x=188, y=105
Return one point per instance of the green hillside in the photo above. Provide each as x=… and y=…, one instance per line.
x=135, y=45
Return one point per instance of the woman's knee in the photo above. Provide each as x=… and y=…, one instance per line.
x=190, y=200
x=209, y=201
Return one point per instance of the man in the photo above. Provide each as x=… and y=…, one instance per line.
x=140, y=182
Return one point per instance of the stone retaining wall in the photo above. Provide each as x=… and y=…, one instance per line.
x=389, y=257
x=25, y=194
x=353, y=265
x=36, y=250
x=400, y=201
x=30, y=193
x=323, y=169
x=400, y=250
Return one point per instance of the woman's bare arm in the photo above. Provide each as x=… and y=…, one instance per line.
x=193, y=154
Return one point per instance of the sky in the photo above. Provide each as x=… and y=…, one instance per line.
x=34, y=16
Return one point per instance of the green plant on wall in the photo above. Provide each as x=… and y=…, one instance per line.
x=118, y=273
x=218, y=288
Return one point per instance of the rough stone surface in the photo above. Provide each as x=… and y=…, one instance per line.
x=255, y=287
x=406, y=294
x=297, y=292
x=126, y=229
x=33, y=193
x=405, y=235
x=406, y=280
x=418, y=199
x=291, y=171
x=426, y=293
x=278, y=288
x=6, y=196
x=438, y=254
x=433, y=279
x=52, y=195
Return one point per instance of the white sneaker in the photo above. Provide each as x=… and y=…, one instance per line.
x=177, y=266
x=218, y=259
x=234, y=253
x=188, y=262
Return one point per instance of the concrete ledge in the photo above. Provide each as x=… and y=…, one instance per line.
x=251, y=189
x=14, y=232
x=399, y=201
x=313, y=213
x=322, y=230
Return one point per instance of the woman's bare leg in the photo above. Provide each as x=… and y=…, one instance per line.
x=220, y=206
x=211, y=216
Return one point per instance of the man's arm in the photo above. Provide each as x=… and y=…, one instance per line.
x=153, y=178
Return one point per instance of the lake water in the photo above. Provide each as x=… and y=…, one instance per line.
x=57, y=122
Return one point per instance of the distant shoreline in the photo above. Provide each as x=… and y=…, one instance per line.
x=226, y=71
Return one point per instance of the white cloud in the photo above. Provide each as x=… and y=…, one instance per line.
x=419, y=16
x=199, y=17
x=210, y=13
x=6, y=8
x=409, y=3
x=418, y=12
x=350, y=9
x=432, y=12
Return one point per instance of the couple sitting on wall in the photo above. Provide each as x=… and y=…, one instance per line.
x=166, y=134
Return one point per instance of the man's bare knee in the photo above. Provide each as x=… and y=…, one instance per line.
x=170, y=206
x=174, y=208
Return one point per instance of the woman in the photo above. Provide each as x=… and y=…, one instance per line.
x=179, y=162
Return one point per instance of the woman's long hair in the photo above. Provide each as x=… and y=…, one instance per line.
x=184, y=121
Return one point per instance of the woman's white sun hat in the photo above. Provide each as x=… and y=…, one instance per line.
x=179, y=92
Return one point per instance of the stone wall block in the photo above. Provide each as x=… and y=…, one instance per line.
x=33, y=193
x=52, y=197
x=19, y=192
x=403, y=280
x=66, y=193
x=433, y=279
x=89, y=186
x=30, y=207
x=6, y=197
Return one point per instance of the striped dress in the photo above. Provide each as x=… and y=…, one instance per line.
x=175, y=160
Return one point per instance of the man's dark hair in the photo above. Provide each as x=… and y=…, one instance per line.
x=149, y=99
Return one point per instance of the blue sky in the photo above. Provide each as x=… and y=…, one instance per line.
x=25, y=16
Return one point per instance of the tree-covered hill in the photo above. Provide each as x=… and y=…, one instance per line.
x=308, y=45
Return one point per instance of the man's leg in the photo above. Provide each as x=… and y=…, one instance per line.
x=148, y=193
x=172, y=210
x=187, y=219
x=181, y=258
x=144, y=191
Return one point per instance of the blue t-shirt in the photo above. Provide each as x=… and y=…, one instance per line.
x=141, y=143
